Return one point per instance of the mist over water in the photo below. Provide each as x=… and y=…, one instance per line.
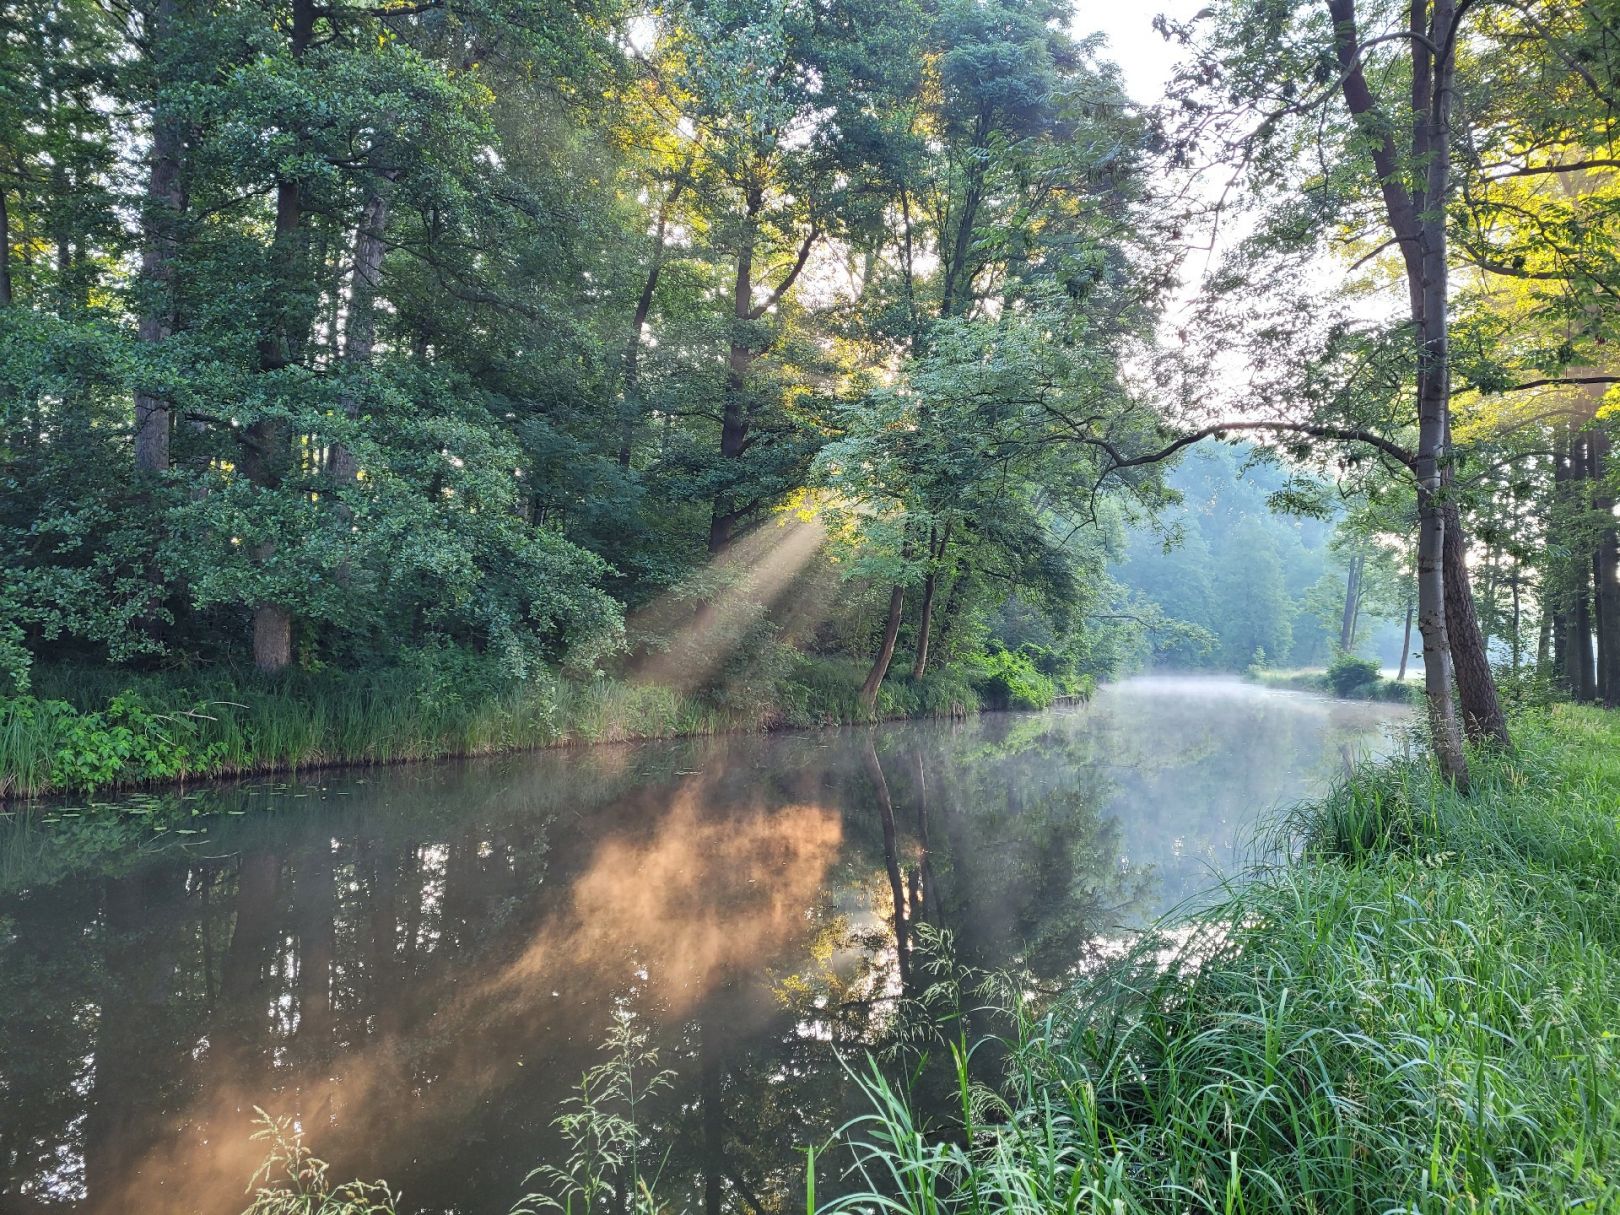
x=419, y=963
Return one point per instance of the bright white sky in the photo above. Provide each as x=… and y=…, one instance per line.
x=1146, y=58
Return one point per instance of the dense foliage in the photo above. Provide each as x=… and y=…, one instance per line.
x=345, y=337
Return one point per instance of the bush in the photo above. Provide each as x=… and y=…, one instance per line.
x=1006, y=679
x=125, y=743
x=1349, y=675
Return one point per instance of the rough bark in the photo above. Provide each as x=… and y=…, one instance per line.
x=165, y=201
x=1418, y=226
x=1483, y=717
x=267, y=444
x=885, y=654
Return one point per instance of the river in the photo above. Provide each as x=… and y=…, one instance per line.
x=419, y=963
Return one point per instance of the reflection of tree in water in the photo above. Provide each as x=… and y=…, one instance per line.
x=1017, y=881
x=421, y=968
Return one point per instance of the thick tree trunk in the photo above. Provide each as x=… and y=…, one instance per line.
x=1483, y=717
x=1418, y=225
x=885, y=654
x=733, y=439
x=267, y=442
x=165, y=201
x=272, y=638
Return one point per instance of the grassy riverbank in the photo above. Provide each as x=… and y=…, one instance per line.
x=1415, y=1010
x=88, y=729
x=1357, y=679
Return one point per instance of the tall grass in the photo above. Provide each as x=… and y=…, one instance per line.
x=1412, y=1008
x=95, y=728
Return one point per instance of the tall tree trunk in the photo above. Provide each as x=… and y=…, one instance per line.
x=1606, y=573
x=739, y=358
x=1352, y=602
x=1578, y=672
x=1418, y=225
x=267, y=443
x=1483, y=717
x=1516, y=622
x=630, y=410
x=360, y=325
x=1406, y=640
x=925, y=625
x=5, y=253
x=885, y=654
x=1544, y=635
x=165, y=201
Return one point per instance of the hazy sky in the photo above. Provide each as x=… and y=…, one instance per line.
x=1133, y=43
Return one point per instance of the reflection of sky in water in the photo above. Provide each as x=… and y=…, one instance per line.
x=419, y=963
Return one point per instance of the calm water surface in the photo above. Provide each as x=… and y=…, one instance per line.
x=419, y=963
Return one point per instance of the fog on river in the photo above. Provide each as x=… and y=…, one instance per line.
x=419, y=963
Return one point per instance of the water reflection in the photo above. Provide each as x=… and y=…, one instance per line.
x=419, y=963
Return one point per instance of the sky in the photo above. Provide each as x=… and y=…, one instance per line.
x=1141, y=52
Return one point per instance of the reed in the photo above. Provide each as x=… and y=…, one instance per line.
x=1409, y=1006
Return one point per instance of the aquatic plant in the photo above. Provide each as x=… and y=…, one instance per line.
x=293, y=1181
